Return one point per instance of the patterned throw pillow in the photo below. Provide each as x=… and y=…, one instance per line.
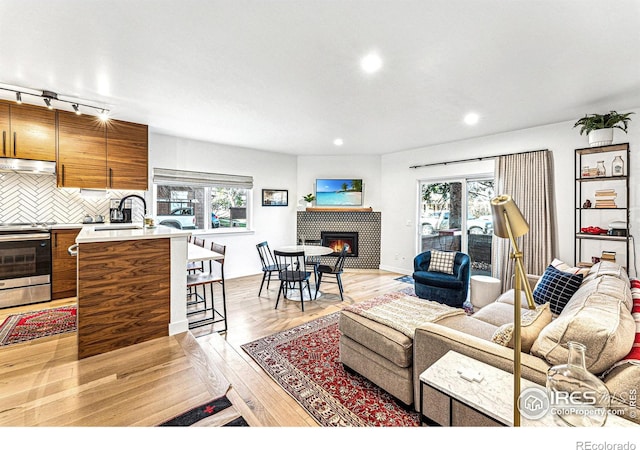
x=634, y=354
x=561, y=265
x=556, y=288
x=532, y=322
x=442, y=262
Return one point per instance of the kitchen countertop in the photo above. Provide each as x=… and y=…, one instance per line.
x=117, y=232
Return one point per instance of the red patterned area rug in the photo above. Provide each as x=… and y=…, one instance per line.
x=36, y=324
x=305, y=362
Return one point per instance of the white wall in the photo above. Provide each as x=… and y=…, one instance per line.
x=269, y=170
x=400, y=198
x=349, y=166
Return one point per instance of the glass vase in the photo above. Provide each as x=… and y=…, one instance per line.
x=577, y=397
x=617, y=167
x=601, y=171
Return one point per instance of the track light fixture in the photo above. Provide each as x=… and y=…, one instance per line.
x=49, y=97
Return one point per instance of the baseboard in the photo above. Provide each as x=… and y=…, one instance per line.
x=397, y=270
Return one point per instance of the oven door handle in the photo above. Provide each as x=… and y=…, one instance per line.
x=24, y=237
x=73, y=250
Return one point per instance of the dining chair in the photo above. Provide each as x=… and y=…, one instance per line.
x=293, y=272
x=312, y=262
x=208, y=314
x=336, y=270
x=268, y=262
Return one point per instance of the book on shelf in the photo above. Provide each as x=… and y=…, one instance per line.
x=605, y=192
x=608, y=255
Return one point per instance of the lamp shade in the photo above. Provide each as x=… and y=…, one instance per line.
x=503, y=207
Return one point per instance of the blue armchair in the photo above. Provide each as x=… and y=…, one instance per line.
x=442, y=287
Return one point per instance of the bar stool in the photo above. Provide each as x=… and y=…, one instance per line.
x=209, y=313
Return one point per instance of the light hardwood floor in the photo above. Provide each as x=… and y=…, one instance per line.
x=43, y=384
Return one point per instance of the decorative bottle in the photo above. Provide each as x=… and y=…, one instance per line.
x=617, y=167
x=602, y=172
x=577, y=396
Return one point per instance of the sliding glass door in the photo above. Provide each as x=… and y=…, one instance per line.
x=455, y=215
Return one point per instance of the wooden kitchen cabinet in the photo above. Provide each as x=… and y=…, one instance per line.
x=64, y=266
x=82, y=151
x=127, y=155
x=28, y=132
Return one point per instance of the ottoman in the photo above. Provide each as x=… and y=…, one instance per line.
x=379, y=353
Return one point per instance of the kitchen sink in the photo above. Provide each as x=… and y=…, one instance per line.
x=118, y=227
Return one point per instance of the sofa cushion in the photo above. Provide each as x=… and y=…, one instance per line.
x=556, y=288
x=607, y=268
x=496, y=313
x=442, y=261
x=438, y=279
x=383, y=340
x=598, y=317
x=532, y=322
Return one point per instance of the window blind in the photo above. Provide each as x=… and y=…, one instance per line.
x=173, y=177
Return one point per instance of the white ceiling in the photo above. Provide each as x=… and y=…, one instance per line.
x=284, y=75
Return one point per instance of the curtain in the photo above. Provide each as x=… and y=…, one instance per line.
x=527, y=178
x=205, y=179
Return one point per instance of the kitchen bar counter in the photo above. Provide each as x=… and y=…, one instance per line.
x=132, y=285
x=126, y=231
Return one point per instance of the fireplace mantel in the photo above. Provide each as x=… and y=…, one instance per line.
x=336, y=209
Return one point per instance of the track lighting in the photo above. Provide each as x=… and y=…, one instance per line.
x=49, y=97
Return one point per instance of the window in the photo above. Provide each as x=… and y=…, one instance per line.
x=201, y=201
x=443, y=205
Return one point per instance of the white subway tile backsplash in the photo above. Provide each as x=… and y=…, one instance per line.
x=35, y=198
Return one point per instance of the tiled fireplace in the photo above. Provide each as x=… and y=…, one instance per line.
x=365, y=227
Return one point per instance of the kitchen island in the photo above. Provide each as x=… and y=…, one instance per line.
x=131, y=285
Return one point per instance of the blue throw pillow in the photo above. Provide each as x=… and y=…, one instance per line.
x=556, y=288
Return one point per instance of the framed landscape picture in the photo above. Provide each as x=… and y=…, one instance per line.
x=275, y=197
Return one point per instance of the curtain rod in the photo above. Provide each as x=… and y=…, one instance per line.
x=444, y=163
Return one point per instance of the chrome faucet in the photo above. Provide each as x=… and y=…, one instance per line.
x=122, y=200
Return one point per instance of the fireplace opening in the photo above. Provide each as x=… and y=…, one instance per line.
x=337, y=239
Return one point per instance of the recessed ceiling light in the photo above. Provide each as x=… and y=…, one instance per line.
x=371, y=63
x=338, y=142
x=471, y=119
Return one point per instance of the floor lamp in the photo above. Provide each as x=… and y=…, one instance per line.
x=508, y=222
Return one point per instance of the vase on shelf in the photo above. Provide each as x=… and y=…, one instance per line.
x=601, y=171
x=617, y=167
x=577, y=397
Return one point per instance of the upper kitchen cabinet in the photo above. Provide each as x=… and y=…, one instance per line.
x=127, y=155
x=28, y=132
x=82, y=151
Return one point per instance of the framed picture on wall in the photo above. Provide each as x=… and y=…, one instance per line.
x=275, y=197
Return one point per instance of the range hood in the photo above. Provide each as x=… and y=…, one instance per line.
x=27, y=166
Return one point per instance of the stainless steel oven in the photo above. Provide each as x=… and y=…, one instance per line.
x=25, y=264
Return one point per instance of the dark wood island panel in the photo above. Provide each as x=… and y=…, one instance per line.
x=123, y=293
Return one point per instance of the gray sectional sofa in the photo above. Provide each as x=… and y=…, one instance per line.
x=597, y=315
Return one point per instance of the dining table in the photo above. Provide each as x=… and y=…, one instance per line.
x=310, y=251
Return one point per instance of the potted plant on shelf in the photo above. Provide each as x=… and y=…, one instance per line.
x=599, y=127
x=309, y=198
